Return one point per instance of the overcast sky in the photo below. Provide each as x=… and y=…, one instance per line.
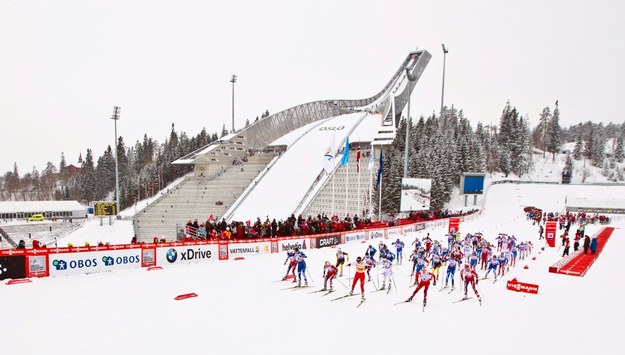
x=65, y=64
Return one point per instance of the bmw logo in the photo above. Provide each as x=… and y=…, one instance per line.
x=172, y=255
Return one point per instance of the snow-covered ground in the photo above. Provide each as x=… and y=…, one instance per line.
x=242, y=308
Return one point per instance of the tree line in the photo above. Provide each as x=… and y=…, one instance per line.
x=441, y=148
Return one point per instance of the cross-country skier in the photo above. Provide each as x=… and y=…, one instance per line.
x=370, y=251
x=420, y=264
x=452, y=264
x=492, y=265
x=340, y=260
x=290, y=259
x=437, y=262
x=473, y=260
x=399, y=246
x=469, y=276
x=387, y=269
x=370, y=263
x=359, y=276
x=329, y=271
x=301, y=267
x=424, y=284
x=503, y=261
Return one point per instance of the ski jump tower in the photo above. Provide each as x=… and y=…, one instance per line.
x=215, y=161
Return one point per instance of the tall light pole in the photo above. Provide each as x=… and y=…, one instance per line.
x=406, y=148
x=116, y=112
x=445, y=51
x=233, y=80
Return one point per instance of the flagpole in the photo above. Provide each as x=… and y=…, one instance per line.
x=358, y=168
x=332, y=195
x=371, y=184
x=380, y=197
x=346, y=186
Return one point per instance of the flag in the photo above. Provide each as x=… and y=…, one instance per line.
x=345, y=159
x=370, y=166
x=328, y=157
x=358, y=159
x=381, y=168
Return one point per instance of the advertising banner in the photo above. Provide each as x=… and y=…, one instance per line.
x=12, y=267
x=37, y=266
x=290, y=244
x=356, y=236
x=275, y=248
x=327, y=241
x=517, y=286
x=420, y=226
x=248, y=248
x=186, y=254
x=223, y=251
x=148, y=256
x=72, y=263
x=407, y=229
x=392, y=232
x=454, y=225
x=550, y=233
x=376, y=234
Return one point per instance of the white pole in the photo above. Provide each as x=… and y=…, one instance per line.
x=380, y=197
x=346, y=185
x=359, y=197
x=332, y=194
x=371, y=185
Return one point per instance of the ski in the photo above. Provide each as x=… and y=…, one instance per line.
x=484, y=278
x=443, y=288
x=402, y=302
x=361, y=302
x=340, y=298
x=423, y=309
x=322, y=290
x=495, y=281
x=382, y=289
x=299, y=287
x=327, y=293
x=463, y=299
x=452, y=290
x=388, y=290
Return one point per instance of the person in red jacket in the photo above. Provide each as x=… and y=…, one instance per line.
x=361, y=267
x=469, y=276
x=425, y=277
x=329, y=272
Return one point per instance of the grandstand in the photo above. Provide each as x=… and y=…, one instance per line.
x=244, y=171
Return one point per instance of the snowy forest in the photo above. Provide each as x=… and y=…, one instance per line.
x=440, y=148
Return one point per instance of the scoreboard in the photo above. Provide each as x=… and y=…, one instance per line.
x=105, y=209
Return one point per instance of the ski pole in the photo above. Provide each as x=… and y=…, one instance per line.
x=339, y=281
x=309, y=275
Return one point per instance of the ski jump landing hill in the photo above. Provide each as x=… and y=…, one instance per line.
x=287, y=151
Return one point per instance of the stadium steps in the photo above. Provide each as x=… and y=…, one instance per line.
x=197, y=198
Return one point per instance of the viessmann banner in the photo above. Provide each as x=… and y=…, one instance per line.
x=184, y=254
x=94, y=261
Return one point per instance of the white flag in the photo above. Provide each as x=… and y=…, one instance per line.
x=328, y=157
x=371, y=159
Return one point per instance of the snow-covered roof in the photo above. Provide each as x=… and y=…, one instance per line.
x=40, y=206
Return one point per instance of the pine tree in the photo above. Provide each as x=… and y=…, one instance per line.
x=542, y=129
x=553, y=132
x=87, y=181
x=579, y=146
x=619, y=152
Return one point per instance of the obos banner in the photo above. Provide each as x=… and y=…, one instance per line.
x=169, y=255
x=73, y=263
x=350, y=237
